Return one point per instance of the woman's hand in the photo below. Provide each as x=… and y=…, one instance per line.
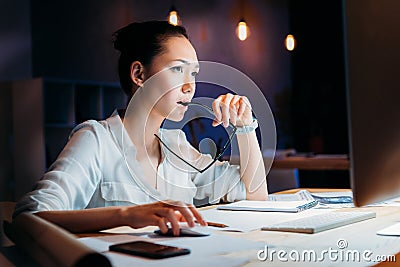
x=160, y=213
x=232, y=108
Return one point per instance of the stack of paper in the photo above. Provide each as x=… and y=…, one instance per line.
x=277, y=206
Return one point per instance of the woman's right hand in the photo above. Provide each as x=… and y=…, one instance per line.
x=160, y=213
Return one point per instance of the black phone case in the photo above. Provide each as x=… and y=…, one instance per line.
x=163, y=252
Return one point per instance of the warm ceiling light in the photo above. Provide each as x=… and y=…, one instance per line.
x=290, y=42
x=242, y=30
x=173, y=17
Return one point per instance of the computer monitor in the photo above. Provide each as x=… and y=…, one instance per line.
x=372, y=45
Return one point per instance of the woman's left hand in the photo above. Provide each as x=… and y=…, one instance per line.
x=232, y=108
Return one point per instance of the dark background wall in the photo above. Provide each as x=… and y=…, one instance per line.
x=318, y=106
x=15, y=40
x=318, y=77
x=72, y=39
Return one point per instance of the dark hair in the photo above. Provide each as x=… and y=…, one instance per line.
x=141, y=41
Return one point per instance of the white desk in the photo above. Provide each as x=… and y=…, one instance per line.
x=359, y=237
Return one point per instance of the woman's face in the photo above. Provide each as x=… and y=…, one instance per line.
x=171, y=78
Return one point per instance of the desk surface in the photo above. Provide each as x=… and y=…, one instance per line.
x=312, y=163
x=360, y=236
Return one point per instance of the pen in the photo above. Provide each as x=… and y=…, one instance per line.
x=214, y=224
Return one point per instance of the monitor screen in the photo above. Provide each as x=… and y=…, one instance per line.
x=372, y=48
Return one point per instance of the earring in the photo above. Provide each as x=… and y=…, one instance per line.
x=139, y=82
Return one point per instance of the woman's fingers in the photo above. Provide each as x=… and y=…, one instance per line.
x=217, y=110
x=225, y=109
x=243, y=105
x=162, y=213
x=191, y=214
x=197, y=215
x=175, y=211
x=187, y=211
x=180, y=217
x=232, y=108
x=221, y=108
x=162, y=224
x=188, y=215
x=169, y=215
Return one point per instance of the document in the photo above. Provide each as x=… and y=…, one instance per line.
x=301, y=195
x=270, y=206
x=326, y=200
x=393, y=230
x=246, y=221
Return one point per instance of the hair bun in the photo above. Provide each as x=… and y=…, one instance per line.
x=121, y=38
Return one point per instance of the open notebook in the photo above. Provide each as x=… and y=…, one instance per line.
x=277, y=206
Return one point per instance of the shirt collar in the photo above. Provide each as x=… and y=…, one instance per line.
x=119, y=133
x=128, y=149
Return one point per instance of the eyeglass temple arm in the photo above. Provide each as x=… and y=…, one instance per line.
x=221, y=152
x=176, y=155
x=210, y=164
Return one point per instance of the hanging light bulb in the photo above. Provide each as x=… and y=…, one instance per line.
x=173, y=17
x=242, y=30
x=290, y=42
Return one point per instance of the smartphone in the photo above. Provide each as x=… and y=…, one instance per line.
x=149, y=249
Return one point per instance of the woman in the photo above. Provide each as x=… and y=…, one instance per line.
x=119, y=162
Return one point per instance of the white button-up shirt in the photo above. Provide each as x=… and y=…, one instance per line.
x=98, y=168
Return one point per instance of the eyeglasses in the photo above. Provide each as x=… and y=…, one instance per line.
x=221, y=151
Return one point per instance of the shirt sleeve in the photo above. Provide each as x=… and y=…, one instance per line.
x=72, y=179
